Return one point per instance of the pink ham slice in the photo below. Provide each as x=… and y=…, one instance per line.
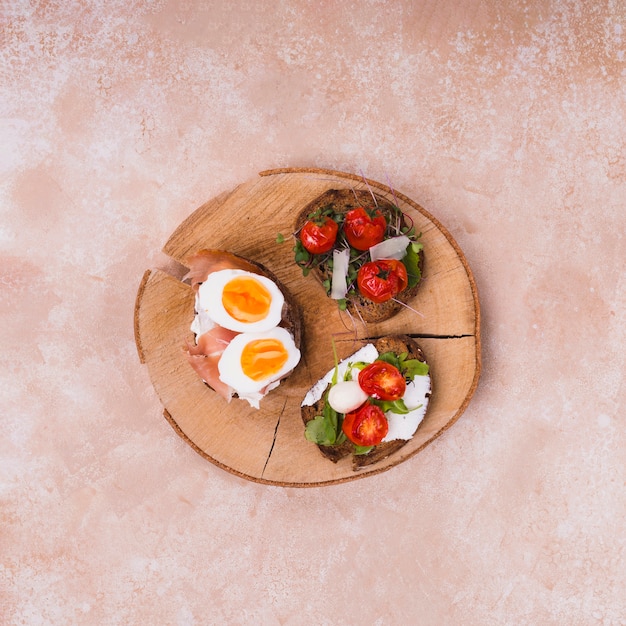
x=206, y=262
x=204, y=357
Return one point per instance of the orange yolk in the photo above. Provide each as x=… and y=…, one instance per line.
x=262, y=358
x=246, y=299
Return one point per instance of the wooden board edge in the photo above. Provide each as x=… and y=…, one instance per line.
x=256, y=479
x=167, y=248
x=373, y=470
x=138, y=299
x=462, y=408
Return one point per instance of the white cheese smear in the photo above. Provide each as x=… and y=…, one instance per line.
x=416, y=400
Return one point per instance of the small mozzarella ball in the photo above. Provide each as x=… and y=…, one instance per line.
x=346, y=396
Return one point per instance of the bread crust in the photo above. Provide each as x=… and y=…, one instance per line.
x=392, y=343
x=342, y=201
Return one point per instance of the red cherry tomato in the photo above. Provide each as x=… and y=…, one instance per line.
x=382, y=380
x=363, y=231
x=382, y=280
x=317, y=237
x=367, y=426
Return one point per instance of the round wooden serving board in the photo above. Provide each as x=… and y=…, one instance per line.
x=268, y=445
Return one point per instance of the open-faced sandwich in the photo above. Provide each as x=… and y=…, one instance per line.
x=247, y=327
x=363, y=249
x=371, y=403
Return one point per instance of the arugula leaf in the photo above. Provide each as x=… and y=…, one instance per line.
x=362, y=449
x=324, y=429
x=411, y=263
x=280, y=238
x=410, y=368
x=395, y=406
x=352, y=365
x=413, y=368
x=320, y=431
x=391, y=358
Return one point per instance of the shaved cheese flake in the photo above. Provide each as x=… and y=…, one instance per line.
x=394, y=248
x=339, y=286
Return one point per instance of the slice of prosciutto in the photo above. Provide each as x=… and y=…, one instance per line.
x=204, y=356
x=206, y=262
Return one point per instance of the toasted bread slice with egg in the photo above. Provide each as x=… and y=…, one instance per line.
x=217, y=353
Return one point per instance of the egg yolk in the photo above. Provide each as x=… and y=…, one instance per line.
x=246, y=299
x=262, y=358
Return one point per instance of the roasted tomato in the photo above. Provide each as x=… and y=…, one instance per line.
x=367, y=426
x=362, y=230
x=382, y=380
x=318, y=237
x=382, y=280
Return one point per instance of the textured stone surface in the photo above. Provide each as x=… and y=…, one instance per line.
x=505, y=120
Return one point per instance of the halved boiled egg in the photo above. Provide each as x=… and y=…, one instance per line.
x=254, y=363
x=240, y=301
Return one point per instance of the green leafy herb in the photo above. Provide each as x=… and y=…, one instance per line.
x=325, y=429
x=411, y=262
x=413, y=367
x=410, y=368
x=360, y=450
x=356, y=365
x=395, y=406
x=302, y=256
x=280, y=238
x=320, y=431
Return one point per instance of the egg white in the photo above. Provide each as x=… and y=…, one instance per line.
x=209, y=302
x=231, y=373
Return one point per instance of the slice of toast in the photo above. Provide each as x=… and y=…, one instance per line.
x=397, y=344
x=205, y=261
x=342, y=201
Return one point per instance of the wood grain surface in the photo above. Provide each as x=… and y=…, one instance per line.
x=268, y=445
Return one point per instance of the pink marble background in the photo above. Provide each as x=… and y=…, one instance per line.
x=504, y=119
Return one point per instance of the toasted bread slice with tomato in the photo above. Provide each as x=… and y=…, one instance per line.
x=342, y=201
x=398, y=344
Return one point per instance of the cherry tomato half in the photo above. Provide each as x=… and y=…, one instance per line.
x=382, y=380
x=382, y=280
x=367, y=426
x=363, y=231
x=319, y=238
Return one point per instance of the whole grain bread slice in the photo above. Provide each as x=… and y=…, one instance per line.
x=291, y=314
x=398, y=344
x=342, y=201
